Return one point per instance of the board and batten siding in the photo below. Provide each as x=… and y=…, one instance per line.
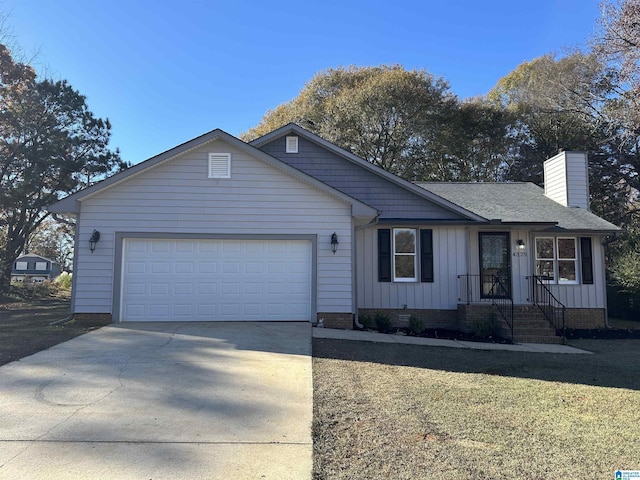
x=523, y=266
x=449, y=261
x=177, y=197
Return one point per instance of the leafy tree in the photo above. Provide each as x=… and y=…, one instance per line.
x=53, y=239
x=560, y=104
x=50, y=145
x=618, y=45
x=387, y=115
x=476, y=143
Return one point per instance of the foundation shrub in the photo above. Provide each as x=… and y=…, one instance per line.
x=383, y=322
x=416, y=325
x=485, y=327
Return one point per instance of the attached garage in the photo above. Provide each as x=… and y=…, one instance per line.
x=223, y=279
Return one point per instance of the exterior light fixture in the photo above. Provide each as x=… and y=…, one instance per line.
x=334, y=243
x=95, y=238
x=520, y=244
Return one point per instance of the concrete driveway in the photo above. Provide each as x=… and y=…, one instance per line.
x=162, y=401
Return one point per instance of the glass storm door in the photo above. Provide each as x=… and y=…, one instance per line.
x=495, y=265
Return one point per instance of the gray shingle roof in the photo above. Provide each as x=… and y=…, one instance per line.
x=518, y=203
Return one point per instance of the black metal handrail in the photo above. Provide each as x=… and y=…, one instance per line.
x=474, y=288
x=552, y=308
x=502, y=301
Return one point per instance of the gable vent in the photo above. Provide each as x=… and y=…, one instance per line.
x=219, y=165
x=292, y=145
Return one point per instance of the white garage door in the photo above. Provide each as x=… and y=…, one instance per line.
x=209, y=280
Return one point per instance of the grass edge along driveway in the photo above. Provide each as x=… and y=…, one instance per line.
x=409, y=412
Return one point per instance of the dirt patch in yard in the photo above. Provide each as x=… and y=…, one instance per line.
x=25, y=327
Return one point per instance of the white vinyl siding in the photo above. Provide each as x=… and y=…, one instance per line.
x=566, y=179
x=219, y=165
x=176, y=198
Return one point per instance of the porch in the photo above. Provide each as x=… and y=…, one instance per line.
x=541, y=320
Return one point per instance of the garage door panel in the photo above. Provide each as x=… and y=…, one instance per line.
x=160, y=311
x=160, y=289
x=158, y=246
x=216, y=280
x=207, y=288
x=136, y=267
x=207, y=267
x=183, y=289
x=184, y=267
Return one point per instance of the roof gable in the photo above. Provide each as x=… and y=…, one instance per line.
x=394, y=197
x=70, y=204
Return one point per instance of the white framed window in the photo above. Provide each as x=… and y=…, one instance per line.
x=292, y=145
x=405, y=267
x=41, y=265
x=219, y=165
x=22, y=265
x=557, y=259
x=567, y=260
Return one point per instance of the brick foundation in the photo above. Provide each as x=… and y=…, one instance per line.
x=93, y=318
x=432, y=318
x=585, y=318
x=341, y=321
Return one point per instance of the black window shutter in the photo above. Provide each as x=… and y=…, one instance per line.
x=586, y=254
x=384, y=255
x=426, y=255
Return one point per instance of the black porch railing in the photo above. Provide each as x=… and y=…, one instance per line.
x=487, y=289
x=552, y=308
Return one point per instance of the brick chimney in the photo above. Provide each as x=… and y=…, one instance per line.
x=566, y=179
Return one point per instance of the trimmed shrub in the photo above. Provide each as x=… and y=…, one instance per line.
x=383, y=322
x=486, y=327
x=416, y=324
x=367, y=321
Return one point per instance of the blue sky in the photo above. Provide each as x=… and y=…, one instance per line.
x=165, y=72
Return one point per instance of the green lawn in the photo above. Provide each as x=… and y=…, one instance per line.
x=409, y=412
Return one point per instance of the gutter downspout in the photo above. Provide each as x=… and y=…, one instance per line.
x=354, y=264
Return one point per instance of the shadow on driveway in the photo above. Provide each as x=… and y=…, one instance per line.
x=188, y=400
